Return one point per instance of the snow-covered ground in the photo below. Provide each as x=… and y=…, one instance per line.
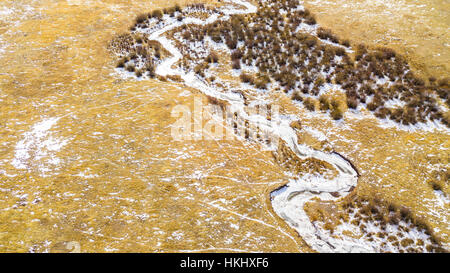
x=38, y=144
x=290, y=209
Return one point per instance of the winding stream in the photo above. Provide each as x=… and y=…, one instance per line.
x=289, y=200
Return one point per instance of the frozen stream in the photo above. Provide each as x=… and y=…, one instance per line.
x=289, y=200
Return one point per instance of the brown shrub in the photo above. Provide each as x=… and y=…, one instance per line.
x=382, y=113
x=311, y=42
x=443, y=82
x=236, y=64
x=157, y=14
x=212, y=58
x=346, y=43
x=247, y=78
x=310, y=19
x=175, y=78
x=326, y=34
x=121, y=63
x=231, y=43
x=436, y=186
x=340, y=51
x=361, y=50
x=131, y=68
x=325, y=102
x=297, y=96
x=387, y=53
x=405, y=213
x=310, y=104
x=261, y=81
x=141, y=18
x=337, y=113
x=216, y=101
x=319, y=81
x=236, y=54
x=352, y=102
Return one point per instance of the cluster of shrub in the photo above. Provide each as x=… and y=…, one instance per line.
x=439, y=180
x=382, y=213
x=139, y=55
x=302, y=63
x=143, y=20
x=306, y=64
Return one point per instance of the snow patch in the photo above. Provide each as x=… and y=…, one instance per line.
x=38, y=145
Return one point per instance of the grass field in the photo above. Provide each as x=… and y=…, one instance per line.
x=86, y=156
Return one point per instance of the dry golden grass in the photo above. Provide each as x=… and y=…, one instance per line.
x=417, y=29
x=66, y=71
x=379, y=213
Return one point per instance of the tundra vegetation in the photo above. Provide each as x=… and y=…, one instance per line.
x=308, y=63
x=389, y=226
x=281, y=47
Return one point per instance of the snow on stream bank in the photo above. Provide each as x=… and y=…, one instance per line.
x=290, y=209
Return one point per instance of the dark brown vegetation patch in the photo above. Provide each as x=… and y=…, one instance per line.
x=272, y=41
